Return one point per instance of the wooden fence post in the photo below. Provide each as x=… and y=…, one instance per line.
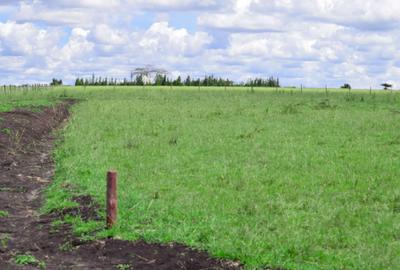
x=112, y=200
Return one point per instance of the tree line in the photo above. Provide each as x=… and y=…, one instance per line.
x=270, y=82
x=163, y=80
x=56, y=82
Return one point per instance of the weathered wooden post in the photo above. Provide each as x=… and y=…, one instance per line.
x=112, y=200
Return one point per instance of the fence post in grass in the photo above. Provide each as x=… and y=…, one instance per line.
x=112, y=201
x=370, y=90
x=301, y=88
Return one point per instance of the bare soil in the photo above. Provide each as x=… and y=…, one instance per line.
x=26, y=169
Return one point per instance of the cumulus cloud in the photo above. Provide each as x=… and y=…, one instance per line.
x=278, y=15
x=100, y=4
x=78, y=47
x=160, y=38
x=175, y=4
x=104, y=34
x=332, y=41
x=73, y=17
x=101, y=49
x=311, y=42
x=26, y=39
x=362, y=14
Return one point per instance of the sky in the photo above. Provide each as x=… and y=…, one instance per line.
x=309, y=42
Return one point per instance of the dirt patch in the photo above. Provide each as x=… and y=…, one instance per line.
x=26, y=168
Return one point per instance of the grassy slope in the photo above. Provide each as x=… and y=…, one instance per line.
x=271, y=179
x=19, y=98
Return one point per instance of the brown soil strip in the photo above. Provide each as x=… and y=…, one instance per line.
x=26, y=169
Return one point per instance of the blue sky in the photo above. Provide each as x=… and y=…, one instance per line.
x=309, y=42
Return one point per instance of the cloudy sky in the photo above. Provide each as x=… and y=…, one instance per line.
x=309, y=42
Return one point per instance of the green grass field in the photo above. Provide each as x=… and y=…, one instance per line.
x=281, y=179
x=21, y=98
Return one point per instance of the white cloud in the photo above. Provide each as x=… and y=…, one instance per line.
x=78, y=47
x=98, y=4
x=161, y=39
x=135, y=4
x=242, y=22
x=278, y=15
x=26, y=39
x=314, y=42
x=74, y=17
x=101, y=49
x=104, y=34
x=174, y=5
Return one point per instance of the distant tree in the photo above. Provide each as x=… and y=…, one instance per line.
x=56, y=82
x=143, y=76
x=260, y=82
x=139, y=80
x=196, y=82
x=386, y=86
x=177, y=82
x=188, y=81
x=346, y=86
x=165, y=80
x=159, y=79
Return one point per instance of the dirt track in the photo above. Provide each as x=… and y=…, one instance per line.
x=26, y=168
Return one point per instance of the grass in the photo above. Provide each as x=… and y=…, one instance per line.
x=28, y=259
x=13, y=104
x=4, y=240
x=34, y=100
x=25, y=259
x=123, y=267
x=273, y=178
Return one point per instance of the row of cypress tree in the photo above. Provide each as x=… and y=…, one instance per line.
x=163, y=80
